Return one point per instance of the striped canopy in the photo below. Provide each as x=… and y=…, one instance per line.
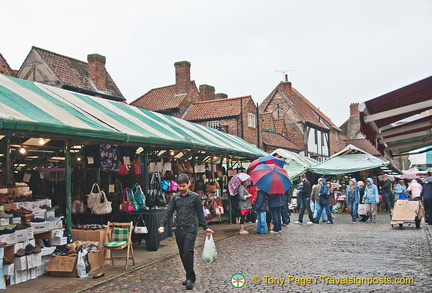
x=35, y=108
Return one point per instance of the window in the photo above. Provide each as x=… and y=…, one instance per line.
x=213, y=124
x=251, y=120
x=316, y=136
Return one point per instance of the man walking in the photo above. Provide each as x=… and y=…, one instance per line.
x=305, y=196
x=188, y=206
x=387, y=192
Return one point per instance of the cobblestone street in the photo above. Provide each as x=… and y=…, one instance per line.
x=320, y=254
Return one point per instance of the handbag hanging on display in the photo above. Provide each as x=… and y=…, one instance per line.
x=94, y=196
x=123, y=170
x=103, y=206
x=140, y=228
x=138, y=194
x=126, y=206
x=152, y=191
x=165, y=185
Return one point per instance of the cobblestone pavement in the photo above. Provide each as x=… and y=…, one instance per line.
x=301, y=254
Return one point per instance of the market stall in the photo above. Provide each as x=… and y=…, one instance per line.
x=295, y=164
x=56, y=144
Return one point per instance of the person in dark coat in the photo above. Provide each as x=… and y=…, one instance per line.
x=275, y=204
x=305, y=200
x=261, y=211
x=324, y=201
x=286, y=219
x=386, y=187
x=426, y=196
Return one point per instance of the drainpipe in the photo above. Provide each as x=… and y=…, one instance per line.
x=258, y=127
x=8, y=163
x=241, y=118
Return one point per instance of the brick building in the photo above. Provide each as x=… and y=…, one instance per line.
x=274, y=134
x=90, y=78
x=236, y=116
x=173, y=99
x=311, y=132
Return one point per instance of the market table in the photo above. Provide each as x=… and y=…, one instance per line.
x=152, y=218
x=341, y=197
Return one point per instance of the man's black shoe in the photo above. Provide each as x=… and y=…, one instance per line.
x=189, y=285
x=184, y=282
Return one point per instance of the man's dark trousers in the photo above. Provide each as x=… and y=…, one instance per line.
x=185, y=238
x=305, y=205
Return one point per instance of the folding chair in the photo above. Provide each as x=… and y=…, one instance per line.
x=118, y=237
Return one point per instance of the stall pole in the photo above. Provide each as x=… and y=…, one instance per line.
x=8, y=163
x=229, y=195
x=68, y=189
x=146, y=175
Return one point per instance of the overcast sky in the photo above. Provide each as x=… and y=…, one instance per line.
x=337, y=51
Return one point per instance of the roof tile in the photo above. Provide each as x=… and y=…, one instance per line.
x=275, y=139
x=74, y=72
x=162, y=98
x=215, y=109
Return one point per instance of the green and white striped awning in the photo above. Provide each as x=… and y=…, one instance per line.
x=31, y=107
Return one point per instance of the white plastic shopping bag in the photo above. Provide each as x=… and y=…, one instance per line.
x=209, y=254
x=362, y=209
x=83, y=265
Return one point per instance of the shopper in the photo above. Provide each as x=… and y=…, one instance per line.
x=353, y=198
x=261, y=211
x=415, y=188
x=426, y=195
x=286, y=218
x=305, y=193
x=315, y=198
x=245, y=205
x=371, y=199
x=275, y=204
x=187, y=205
x=399, y=190
x=324, y=201
x=361, y=184
x=387, y=192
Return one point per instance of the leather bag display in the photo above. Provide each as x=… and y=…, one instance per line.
x=103, y=206
x=94, y=196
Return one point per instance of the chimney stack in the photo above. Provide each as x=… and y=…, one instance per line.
x=96, y=70
x=286, y=77
x=207, y=92
x=182, y=72
x=354, y=109
x=287, y=87
x=220, y=96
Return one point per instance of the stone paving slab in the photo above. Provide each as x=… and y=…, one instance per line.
x=285, y=262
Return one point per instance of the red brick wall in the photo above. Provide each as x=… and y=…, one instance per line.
x=182, y=74
x=96, y=70
x=234, y=124
x=192, y=96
